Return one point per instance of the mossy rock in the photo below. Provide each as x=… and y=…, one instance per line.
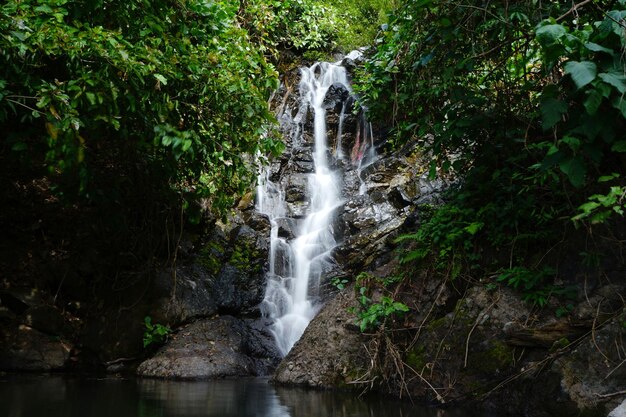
x=211, y=257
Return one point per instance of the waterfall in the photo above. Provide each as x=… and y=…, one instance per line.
x=297, y=262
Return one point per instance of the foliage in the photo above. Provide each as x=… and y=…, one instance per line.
x=155, y=334
x=525, y=99
x=372, y=314
x=313, y=25
x=535, y=287
x=172, y=89
x=600, y=207
x=286, y=24
x=339, y=282
x=360, y=21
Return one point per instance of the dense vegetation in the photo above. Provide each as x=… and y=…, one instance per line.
x=173, y=90
x=119, y=104
x=526, y=101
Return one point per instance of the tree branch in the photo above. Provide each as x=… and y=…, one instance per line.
x=573, y=9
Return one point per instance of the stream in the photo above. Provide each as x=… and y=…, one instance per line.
x=65, y=396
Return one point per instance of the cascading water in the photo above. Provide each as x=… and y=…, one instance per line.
x=296, y=264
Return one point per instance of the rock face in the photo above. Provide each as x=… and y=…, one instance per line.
x=34, y=336
x=480, y=347
x=219, y=271
x=329, y=351
x=23, y=348
x=225, y=274
x=214, y=348
x=381, y=191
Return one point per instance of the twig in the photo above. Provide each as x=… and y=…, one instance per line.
x=476, y=323
x=432, y=307
x=612, y=394
x=573, y=9
x=593, y=332
x=438, y=396
x=482, y=9
x=621, y=23
x=24, y=105
x=180, y=236
x=615, y=369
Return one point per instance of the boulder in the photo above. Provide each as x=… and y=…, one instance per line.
x=219, y=347
x=23, y=348
x=330, y=351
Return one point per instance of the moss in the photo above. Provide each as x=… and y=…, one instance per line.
x=245, y=257
x=210, y=257
x=416, y=358
x=438, y=324
x=495, y=358
x=560, y=344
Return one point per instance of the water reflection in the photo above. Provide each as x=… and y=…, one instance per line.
x=225, y=398
x=59, y=396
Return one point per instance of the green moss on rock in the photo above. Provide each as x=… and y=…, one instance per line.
x=416, y=358
x=210, y=257
x=245, y=257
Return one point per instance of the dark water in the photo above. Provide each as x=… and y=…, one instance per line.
x=59, y=396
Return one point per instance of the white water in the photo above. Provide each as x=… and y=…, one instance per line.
x=296, y=265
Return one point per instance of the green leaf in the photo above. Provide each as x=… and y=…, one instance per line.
x=593, y=101
x=598, y=48
x=619, y=146
x=91, y=97
x=572, y=142
x=161, y=78
x=551, y=111
x=620, y=104
x=582, y=73
x=44, y=9
x=617, y=80
x=473, y=228
x=549, y=34
x=607, y=178
x=575, y=170
x=19, y=146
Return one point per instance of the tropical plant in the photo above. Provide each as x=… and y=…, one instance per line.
x=155, y=333
x=170, y=90
x=525, y=101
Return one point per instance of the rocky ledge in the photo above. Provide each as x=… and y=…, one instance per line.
x=485, y=346
x=219, y=347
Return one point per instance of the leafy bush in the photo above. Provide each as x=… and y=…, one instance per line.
x=172, y=89
x=286, y=24
x=373, y=314
x=526, y=101
x=155, y=334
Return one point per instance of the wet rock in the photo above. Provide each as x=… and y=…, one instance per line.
x=214, y=348
x=593, y=372
x=257, y=221
x=329, y=351
x=23, y=348
x=287, y=227
x=335, y=97
x=301, y=160
x=354, y=58
x=193, y=297
x=47, y=319
x=295, y=188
